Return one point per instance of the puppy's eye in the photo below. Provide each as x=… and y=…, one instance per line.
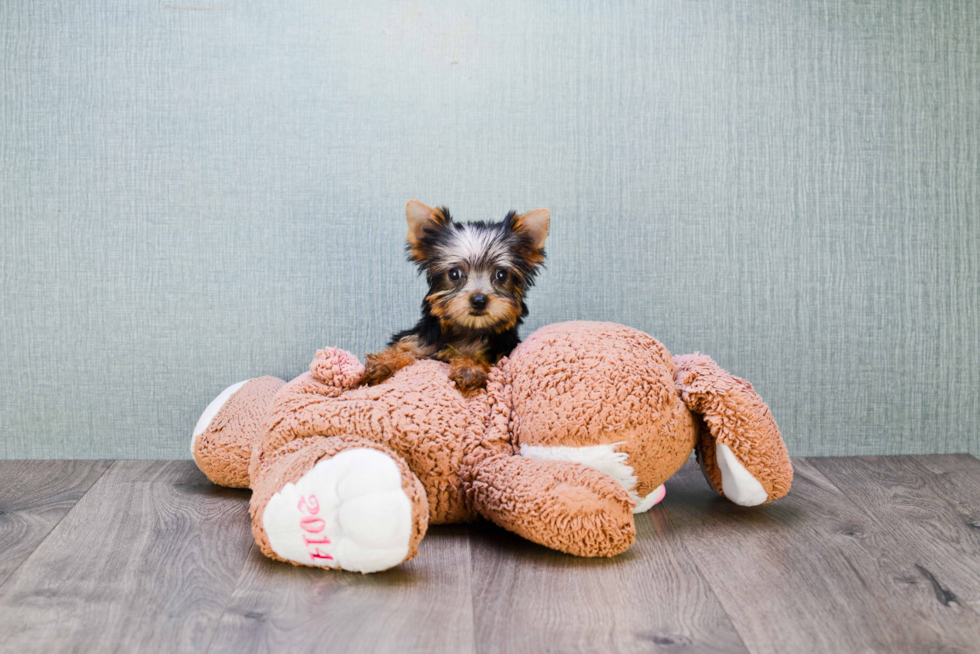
x=455, y=274
x=500, y=276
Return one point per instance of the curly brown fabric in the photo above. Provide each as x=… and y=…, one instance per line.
x=569, y=391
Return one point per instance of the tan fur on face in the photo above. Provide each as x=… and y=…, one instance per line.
x=453, y=311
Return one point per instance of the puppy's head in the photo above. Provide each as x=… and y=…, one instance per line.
x=479, y=272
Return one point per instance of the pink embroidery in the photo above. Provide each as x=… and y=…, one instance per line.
x=311, y=525
x=317, y=554
x=310, y=505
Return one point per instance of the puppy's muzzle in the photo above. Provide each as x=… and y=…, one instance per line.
x=479, y=301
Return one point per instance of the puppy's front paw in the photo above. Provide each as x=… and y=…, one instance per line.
x=469, y=377
x=376, y=370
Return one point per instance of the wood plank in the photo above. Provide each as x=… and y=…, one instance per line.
x=943, y=463
x=811, y=572
x=528, y=598
x=929, y=520
x=34, y=497
x=145, y=562
x=421, y=606
x=956, y=477
x=872, y=553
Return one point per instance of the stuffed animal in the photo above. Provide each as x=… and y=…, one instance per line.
x=576, y=431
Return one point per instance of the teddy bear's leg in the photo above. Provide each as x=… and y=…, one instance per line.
x=227, y=430
x=338, y=502
x=563, y=505
x=739, y=448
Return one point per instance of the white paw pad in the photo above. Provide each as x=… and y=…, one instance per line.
x=348, y=512
x=644, y=504
x=737, y=483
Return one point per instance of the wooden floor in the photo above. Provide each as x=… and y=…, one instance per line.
x=877, y=554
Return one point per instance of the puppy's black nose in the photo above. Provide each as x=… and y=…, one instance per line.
x=478, y=301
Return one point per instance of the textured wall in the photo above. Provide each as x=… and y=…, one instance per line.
x=189, y=197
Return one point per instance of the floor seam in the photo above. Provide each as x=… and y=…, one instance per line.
x=27, y=558
x=231, y=594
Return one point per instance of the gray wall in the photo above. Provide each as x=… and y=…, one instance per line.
x=190, y=197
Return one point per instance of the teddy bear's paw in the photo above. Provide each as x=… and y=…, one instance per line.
x=348, y=512
x=644, y=504
x=737, y=483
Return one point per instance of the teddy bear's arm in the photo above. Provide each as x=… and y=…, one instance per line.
x=739, y=448
x=559, y=504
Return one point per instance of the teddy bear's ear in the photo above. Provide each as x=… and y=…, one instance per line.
x=420, y=217
x=535, y=224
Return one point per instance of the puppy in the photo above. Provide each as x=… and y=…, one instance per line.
x=478, y=274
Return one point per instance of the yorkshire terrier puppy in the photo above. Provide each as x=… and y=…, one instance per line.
x=478, y=275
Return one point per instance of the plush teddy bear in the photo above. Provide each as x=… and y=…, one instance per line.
x=576, y=431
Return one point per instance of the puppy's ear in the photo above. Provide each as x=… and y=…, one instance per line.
x=421, y=217
x=534, y=224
